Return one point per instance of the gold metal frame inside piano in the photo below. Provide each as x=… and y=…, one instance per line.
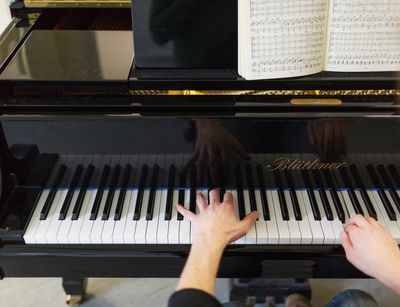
x=77, y=3
x=370, y=92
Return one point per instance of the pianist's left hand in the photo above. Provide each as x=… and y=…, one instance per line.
x=215, y=226
x=371, y=249
x=216, y=223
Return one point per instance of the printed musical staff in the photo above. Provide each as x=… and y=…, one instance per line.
x=364, y=35
x=286, y=38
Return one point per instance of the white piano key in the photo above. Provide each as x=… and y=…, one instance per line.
x=272, y=226
x=152, y=225
x=379, y=215
x=283, y=228
x=87, y=224
x=184, y=230
x=251, y=236
x=29, y=235
x=174, y=224
x=392, y=226
x=361, y=201
x=261, y=225
x=130, y=225
x=76, y=227
x=141, y=225
x=347, y=202
x=329, y=235
x=163, y=224
x=51, y=235
x=98, y=223
x=62, y=234
x=236, y=207
x=315, y=225
x=40, y=235
x=304, y=224
x=293, y=225
x=119, y=229
x=337, y=225
x=107, y=236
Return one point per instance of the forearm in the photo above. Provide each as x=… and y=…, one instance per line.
x=201, y=268
x=392, y=280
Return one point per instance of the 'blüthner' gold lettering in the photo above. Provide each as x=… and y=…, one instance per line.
x=295, y=164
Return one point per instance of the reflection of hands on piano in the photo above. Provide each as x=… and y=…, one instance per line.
x=328, y=138
x=371, y=249
x=214, y=147
x=216, y=224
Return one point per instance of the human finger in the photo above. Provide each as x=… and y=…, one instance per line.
x=214, y=196
x=347, y=244
x=201, y=202
x=186, y=213
x=358, y=220
x=228, y=198
x=248, y=221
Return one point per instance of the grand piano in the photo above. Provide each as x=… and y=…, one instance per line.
x=106, y=124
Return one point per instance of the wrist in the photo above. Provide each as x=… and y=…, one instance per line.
x=208, y=244
x=392, y=278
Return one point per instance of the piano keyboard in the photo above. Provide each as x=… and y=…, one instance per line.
x=125, y=199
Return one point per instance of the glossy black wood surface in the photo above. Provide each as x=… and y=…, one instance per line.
x=168, y=261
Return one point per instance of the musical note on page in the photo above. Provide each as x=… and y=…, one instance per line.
x=364, y=35
x=286, y=38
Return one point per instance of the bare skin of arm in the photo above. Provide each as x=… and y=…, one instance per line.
x=371, y=249
x=215, y=226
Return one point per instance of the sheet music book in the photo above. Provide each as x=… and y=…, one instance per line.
x=281, y=39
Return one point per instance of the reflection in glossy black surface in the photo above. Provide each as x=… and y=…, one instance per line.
x=52, y=55
x=239, y=145
x=185, y=34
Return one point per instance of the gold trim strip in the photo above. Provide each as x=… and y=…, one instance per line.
x=376, y=92
x=77, y=3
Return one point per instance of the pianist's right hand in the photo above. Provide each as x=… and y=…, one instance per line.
x=371, y=249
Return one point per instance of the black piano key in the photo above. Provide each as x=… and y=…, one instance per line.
x=122, y=193
x=250, y=184
x=153, y=190
x=311, y=196
x=281, y=195
x=293, y=196
x=239, y=187
x=395, y=175
x=71, y=190
x=368, y=203
x=353, y=197
x=385, y=201
x=322, y=194
x=170, y=193
x=335, y=197
x=81, y=196
x=221, y=194
x=389, y=185
x=181, y=193
x=263, y=193
x=111, y=192
x=193, y=179
x=50, y=198
x=221, y=183
x=100, y=190
x=140, y=192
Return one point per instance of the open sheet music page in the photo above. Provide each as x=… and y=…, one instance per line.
x=279, y=39
x=364, y=35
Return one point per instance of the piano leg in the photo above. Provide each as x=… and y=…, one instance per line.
x=75, y=289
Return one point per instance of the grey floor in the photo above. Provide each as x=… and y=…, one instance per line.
x=155, y=292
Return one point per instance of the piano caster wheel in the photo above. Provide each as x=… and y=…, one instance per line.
x=74, y=300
